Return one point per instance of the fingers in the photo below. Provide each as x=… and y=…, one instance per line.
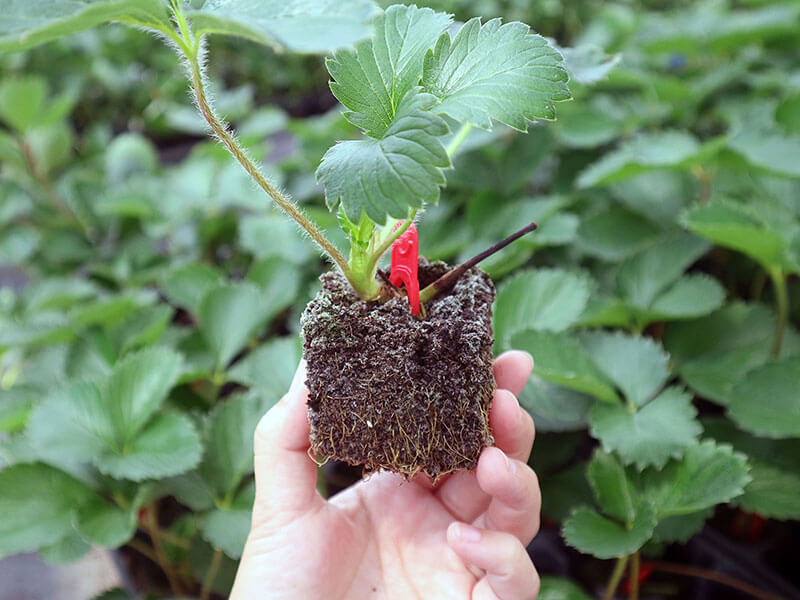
x=510, y=574
x=286, y=477
x=512, y=370
x=513, y=431
x=515, y=497
x=511, y=425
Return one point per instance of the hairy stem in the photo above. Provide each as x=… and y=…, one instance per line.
x=458, y=138
x=616, y=577
x=635, y=564
x=213, y=569
x=446, y=281
x=142, y=549
x=151, y=519
x=229, y=141
x=782, y=302
x=732, y=582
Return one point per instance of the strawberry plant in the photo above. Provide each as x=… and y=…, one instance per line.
x=151, y=297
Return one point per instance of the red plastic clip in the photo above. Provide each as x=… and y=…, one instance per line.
x=405, y=263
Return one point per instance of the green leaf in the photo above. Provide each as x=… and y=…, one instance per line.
x=229, y=314
x=15, y=407
x=21, y=100
x=388, y=176
x=591, y=533
x=294, y=25
x=588, y=63
x=714, y=352
x=766, y=401
x=229, y=441
x=545, y=299
x=774, y=468
x=562, y=360
x=279, y=282
x=611, y=487
x=556, y=588
x=168, y=445
x=137, y=387
x=495, y=72
x=679, y=528
x=643, y=277
x=767, y=148
x=616, y=233
x=691, y=296
x=555, y=408
x=269, y=367
x=67, y=550
x=105, y=524
x=772, y=493
x=372, y=80
x=112, y=425
x=644, y=152
x=227, y=530
x=185, y=286
x=274, y=235
x=734, y=226
x=27, y=23
x=636, y=365
x=38, y=504
x=659, y=430
x=708, y=474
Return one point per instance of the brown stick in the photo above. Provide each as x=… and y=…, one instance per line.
x=677, y=569
x=448, y=280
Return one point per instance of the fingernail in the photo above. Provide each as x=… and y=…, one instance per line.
x=510, y=467
x=530, y=357
x=467, y=533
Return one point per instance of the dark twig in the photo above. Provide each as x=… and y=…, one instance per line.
x=448, y=280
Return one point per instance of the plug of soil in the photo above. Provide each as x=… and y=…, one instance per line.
x=390, y=391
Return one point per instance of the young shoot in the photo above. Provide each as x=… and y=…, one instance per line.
x=407, y=87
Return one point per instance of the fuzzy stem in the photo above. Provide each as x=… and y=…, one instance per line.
x=446, y=281
x=782, y=302
x=634, y=575
x=616, y=577
x=732, y=582
x=151, y=518
x=213, y=569
x=458, y=138
x=142, y=549
x=229, y=141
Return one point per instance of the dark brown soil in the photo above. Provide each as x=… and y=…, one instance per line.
x=391, y=391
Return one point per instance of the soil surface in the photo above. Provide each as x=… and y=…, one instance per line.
x=392, y=391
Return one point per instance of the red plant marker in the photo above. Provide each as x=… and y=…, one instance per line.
x=405, y=263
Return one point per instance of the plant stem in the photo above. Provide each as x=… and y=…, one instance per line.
x=616, y=577
x=151, y=517
x=738, y=584
x=213, y=569
x=229, y=141
x=458, y=138
x=42, y=180
x=391, y=238
x=782, y=302
x=634, y=575
x=446, y=281
x=143, y=549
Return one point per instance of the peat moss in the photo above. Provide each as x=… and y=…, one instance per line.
x=391, y=391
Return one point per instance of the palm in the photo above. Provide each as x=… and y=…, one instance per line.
x=390, y=538
x=401, y=532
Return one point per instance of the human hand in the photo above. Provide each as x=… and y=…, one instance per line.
x=386, y=537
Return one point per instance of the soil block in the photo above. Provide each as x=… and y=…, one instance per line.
x=388, y=390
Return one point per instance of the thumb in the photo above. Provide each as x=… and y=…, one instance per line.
x=286, y=477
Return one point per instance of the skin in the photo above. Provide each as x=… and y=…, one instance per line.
x=388, y=538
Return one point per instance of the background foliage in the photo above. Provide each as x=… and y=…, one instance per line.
x=150, y=294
